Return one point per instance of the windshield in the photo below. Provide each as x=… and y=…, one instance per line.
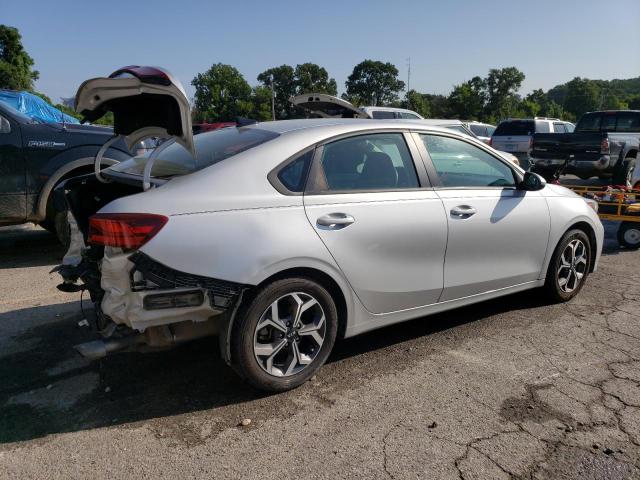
x=211, y=147
x=459, y=129
x=515, y=127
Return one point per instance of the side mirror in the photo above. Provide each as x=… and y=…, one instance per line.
x=532, y=182
x=5, y=126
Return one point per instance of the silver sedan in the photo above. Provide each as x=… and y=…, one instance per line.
x=282, y=237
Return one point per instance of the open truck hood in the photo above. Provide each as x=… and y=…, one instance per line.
x=327, y=106
x=145, y=101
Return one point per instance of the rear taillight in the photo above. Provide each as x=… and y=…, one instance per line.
x=491, y=142
x=604, y=146
x=125, y=230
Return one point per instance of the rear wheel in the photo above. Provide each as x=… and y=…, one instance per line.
x=629, y=235
x=284, y=334
x=569, y=266
x=624, y=175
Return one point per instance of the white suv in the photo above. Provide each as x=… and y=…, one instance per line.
x=515, y=135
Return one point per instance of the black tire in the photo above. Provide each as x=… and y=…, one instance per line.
x=629, y=235
x=243, y=359
x=624, y=174
x=553, y=285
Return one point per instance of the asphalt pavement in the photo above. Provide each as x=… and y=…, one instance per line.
x=510, y=388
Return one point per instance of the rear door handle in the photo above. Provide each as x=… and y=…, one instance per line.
x=335, y=221
x=463, y=211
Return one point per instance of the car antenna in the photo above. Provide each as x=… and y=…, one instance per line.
x=64, y=125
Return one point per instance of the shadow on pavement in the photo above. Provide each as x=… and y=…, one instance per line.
x=26, y=246
x=50, y=389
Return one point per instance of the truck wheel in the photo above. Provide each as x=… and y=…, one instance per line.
x=624, y=175
x=284, y=334
x=629, y=235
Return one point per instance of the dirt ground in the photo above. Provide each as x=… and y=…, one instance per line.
x=511, y=388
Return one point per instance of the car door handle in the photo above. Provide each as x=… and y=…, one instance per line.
x=335, y=221
x=463, y=211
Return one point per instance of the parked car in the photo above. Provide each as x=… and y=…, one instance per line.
x=35, y=156
x=481, y=130
x=328, y=106
x=516, y=135
x=398, y=220
x=604, y=144
x=388, y=113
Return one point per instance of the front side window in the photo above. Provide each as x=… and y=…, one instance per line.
x=460, y=164
x=408, y=116
x=382, y=114
x=368, y=162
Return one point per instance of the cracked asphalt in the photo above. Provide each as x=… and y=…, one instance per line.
x=511, y=388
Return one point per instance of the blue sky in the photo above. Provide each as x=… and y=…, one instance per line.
x=448, y=41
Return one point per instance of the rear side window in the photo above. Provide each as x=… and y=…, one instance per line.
x=608, y=123
x=382, y=114
x=628, y=122
x=408, y=116
x=368, y=162
x=294, y=175
x=542, y=127
x=559, y=128
x=515, y=127
x=479, y=130
x=589, y=122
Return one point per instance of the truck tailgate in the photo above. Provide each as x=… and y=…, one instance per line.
x=562, y=146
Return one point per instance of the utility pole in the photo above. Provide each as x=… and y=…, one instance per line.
x=273, y=100
x=408, y=82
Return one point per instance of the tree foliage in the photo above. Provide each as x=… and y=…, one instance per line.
x=16, y=72
x=373, y=83
x=222, y=94
x=282, y=80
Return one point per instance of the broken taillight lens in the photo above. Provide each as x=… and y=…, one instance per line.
x=125, y=230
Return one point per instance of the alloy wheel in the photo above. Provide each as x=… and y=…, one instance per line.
x=289, y=334
x=573, y=266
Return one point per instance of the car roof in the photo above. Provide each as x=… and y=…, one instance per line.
x=286, y=126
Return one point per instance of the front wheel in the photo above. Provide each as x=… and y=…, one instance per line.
x=569, y=266
x=284, y=334
x=629, y=235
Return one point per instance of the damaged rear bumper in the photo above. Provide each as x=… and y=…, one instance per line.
x=134, y=283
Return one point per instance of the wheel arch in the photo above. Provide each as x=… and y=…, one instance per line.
x=68, y=170
x=591, y=234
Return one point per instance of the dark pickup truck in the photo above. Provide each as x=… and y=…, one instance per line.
x=603, y=144
x=36, y=156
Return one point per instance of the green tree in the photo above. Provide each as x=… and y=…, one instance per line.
x=284, y=87
x=467, y=100
x=222, y=94
x=312, y=78
x=582, y=95
x=501, y=87
x=16, y=71
x=416, y=101
x=373, y=82
x=634, y=102
x=261, y=104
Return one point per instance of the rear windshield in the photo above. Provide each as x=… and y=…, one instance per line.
x=211, y=147
x=382, y=114
x=515, y=127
